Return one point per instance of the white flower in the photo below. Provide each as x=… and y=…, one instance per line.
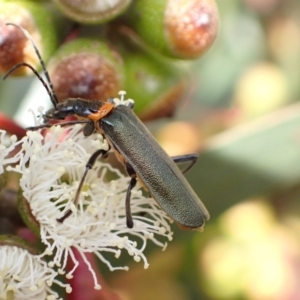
x=51, y=169
x=25, y=276
x=7, y=145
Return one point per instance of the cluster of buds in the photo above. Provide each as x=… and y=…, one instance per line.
x=136, y=46
x=114, y=45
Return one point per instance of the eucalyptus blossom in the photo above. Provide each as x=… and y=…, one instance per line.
x=51, y=166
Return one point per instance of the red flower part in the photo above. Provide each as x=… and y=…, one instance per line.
x=11, y=126
x=83, y=284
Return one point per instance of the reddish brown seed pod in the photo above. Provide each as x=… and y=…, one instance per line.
x=87, y=69
x=15, y=48
x=176, y=28
x=13, y=42
x=191, y=26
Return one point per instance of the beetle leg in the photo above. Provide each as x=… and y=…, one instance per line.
x=60, y=124
x=89, y=128
x=192, y=158
x=131, y=185
x=88, y=166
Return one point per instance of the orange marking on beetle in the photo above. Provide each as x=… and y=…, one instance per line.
x=102, y=112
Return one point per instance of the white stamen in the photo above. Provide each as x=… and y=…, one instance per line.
x=25, y=274
x=122, y=101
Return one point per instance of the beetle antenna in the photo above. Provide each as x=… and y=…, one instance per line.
x=24, y=64
x=50, y=89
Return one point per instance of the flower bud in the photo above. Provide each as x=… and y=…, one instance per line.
x=87, y=69
x=176, y=28
x=91, y=11
x=15, y=47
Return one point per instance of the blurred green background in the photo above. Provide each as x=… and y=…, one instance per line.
x=245, y=112
x=242, y=114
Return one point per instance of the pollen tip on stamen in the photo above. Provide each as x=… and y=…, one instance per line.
x=30, y=133
x=16, y=277
x=129, y=100
x=48, y=251
x=40, y=282
x=49, y=282
x=9, y=168
x=162, y=230
x=68, y=289
x=120, y=245
x=97, y=287
x=165, y=247
x=69, y=276
x=121, y=93
x=137, y=258
x=149, y=235
x=69, y=242
x=85, y=193
x=118, y=253
x=60, y=171
x=13, y=138
x=51, y=264
x=137, y=193
x=170, y=237
x=112, y=226
x=146, y=266
x=40, y=109
x=33, y=288
x=56, y=129
x=61, y=271
x=116, y=101
x=99, y=137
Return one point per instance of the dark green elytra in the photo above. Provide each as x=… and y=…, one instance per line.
x=159, y=174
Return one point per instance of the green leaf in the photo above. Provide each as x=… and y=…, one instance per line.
x=257, y=158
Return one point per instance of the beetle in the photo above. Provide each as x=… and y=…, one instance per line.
x=135, y=147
